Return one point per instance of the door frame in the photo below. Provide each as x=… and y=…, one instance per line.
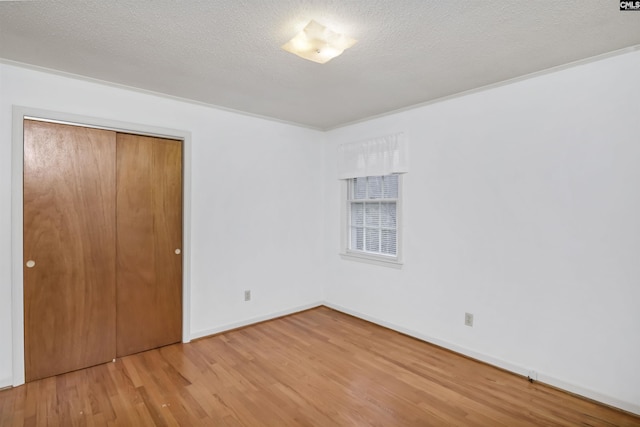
x=17, y=162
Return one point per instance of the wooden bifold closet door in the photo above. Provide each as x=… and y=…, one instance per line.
x=102, y=240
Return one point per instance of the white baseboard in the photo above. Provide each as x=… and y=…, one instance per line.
x=252, y=320
x=6, y=382
x=634, y=408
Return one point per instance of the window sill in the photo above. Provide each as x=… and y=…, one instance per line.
x=372, y=259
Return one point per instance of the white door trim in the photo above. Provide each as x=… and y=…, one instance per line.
x=17, y=159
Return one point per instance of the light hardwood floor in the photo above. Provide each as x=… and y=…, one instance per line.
x=315, y=368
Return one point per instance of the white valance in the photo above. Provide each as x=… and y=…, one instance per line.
x=374, y=157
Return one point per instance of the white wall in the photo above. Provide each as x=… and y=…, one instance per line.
x=255, y=187
x=522, y=206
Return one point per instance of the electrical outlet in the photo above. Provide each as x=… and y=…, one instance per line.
x=468, y=319
x=247, y=295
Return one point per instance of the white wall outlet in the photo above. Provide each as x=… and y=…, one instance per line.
x=468, y=319
x=247, y=295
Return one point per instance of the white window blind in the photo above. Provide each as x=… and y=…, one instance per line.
x=373, y=225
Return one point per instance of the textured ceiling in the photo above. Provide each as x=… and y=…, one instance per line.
x=227, y=52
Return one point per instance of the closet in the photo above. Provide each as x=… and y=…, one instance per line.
x=102, y=245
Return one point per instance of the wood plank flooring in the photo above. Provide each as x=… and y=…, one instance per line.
x=315, y=368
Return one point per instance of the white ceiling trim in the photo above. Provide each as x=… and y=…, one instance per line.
x=498, y=84
x=272, y=119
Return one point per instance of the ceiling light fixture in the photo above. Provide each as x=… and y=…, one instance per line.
x=317, y=43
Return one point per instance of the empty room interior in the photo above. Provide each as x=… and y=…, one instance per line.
x=283, y=212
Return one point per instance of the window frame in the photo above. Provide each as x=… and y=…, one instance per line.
x=347, y=253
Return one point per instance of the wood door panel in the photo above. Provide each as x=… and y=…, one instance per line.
x=69, y=231
x=149, y=230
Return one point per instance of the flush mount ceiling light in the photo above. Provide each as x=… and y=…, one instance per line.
x=317, y=43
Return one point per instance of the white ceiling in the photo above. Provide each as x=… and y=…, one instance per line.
x=227, y=52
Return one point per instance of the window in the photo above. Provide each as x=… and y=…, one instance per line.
x=372, y=206
x=371, y=173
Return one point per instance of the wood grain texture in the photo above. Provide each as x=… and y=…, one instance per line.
x=315, y=368
x=149, y=230
x=69, y=231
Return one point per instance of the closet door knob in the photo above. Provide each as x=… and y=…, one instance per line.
x=31, y=263
x=177, y=251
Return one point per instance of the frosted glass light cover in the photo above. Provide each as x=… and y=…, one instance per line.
x=317, y=43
